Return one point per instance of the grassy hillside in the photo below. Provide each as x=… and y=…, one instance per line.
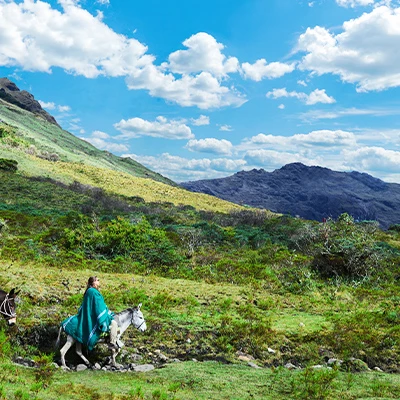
x=31, y=134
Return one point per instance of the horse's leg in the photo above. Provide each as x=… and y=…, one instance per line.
x=70, y=341
x=114, y=353
x=80, y=354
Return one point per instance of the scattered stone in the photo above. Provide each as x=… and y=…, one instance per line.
x=188, y=340
x=194, y=360
x=334, y=361
x=272, y=351
x=136, y=357
x=97, y=366
x=176, y=360
x=55, y=365
x=301, y=325
x=144, y=368
x=290, y=366
x=81, y=367
x=253, y=365
x=318, y=366
x=377, y=369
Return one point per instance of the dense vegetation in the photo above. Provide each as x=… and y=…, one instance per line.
x=214, y=286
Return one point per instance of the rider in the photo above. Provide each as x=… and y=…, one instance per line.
x=93, y=318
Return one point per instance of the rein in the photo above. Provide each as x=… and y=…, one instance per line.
x=6, y=313
x=137, y=327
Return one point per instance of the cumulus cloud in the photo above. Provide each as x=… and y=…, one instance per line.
x=373, y=159
x=202, y=120
x=203, y=54
x=261, y=69
x=365, y=52
x=47, y=105
x=210, y=145
x=203, y=90
x=320, y=138
x=316, y=96
x=182, y=169
x=160, y=128
x=102, y=141
x=37, y=37
x=271, y=158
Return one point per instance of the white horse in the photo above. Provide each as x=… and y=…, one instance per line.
x=130, y=316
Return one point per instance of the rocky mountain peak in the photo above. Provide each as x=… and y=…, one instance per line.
x=10, y=93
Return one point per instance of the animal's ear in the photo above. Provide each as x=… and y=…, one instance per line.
x=17, y=292
x=140, y=305
x=13, y=293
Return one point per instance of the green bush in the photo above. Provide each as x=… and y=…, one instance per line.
x=8, y=165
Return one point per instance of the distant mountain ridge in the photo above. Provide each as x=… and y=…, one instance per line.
x=309, y=192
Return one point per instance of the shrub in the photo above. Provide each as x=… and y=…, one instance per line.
x=8, y=165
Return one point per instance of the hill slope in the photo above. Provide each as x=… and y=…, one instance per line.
x=44, y=150
x=310, y=192
x=26, y=130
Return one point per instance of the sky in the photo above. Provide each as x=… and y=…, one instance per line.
x=203, y=89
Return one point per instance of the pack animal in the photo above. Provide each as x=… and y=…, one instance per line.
x=130, y=316
x=8, y=306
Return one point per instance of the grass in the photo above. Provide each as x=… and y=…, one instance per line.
x=203, y=381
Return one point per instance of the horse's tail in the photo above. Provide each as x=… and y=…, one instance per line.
x=57, y=345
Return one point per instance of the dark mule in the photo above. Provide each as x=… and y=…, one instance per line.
x=130, y=316
x=7, y=306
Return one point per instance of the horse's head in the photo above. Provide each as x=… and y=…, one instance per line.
x=137, y=319
x=7, y=306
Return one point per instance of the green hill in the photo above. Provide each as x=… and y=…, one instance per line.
x=24, y=134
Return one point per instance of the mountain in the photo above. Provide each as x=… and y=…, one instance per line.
x=309, y=192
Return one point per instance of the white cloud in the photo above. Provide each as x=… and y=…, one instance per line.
x=317, y=139
x=365, y=53
x=203, y=55
x=210, y=145
x=48, y=105
x=316, y=96
x=261, y=69
x=225, y=128
x=103, y=144
x=272, y=159
x=100, y=135
x=354, y=3
x=203, y=90
x=182, y=169
x=36, y=37
x=103, y=1
x=161, y=128
x=302, y=83
x=314, y=115
x=64, y=108
x=281, y=106
x=202, y=120
x=373, y=159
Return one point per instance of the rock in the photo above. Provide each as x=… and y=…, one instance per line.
x=143, y=368
x=97, y=366
x=81, y=367
x=354, y=365
x=23, y=99
x=377, y=369
x=290, y=366
x=334, y=361
x=253, y=365
x=272, y=351
x=136, y=357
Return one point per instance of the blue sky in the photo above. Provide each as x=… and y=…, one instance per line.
x=203, y=89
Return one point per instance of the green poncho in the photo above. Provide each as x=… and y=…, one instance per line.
x=92, y=319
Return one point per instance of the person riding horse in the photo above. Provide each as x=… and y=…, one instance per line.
x=7, y=306
x=93, y=318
